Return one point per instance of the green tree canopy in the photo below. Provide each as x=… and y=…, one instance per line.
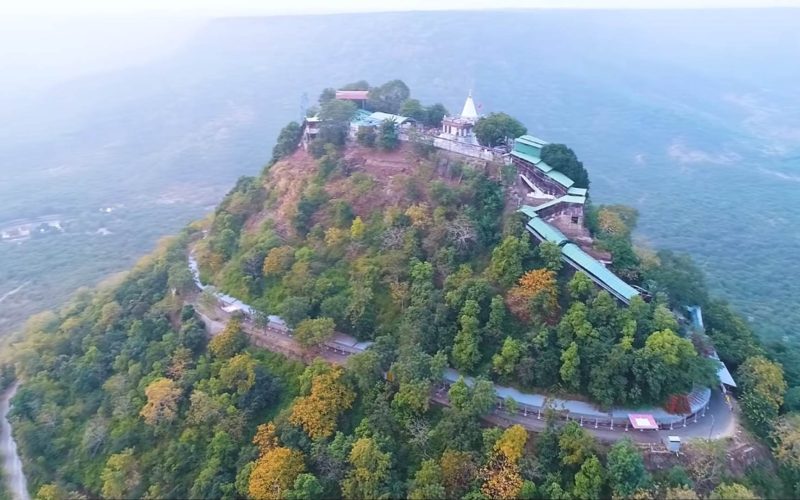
x=496, y=128
x=563, y=159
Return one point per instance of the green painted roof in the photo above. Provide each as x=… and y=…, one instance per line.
x=564, y=199
x=578, y=191
x=527, y=210
x=531, y=141
x=529, y=145
x=546, y=231
x=535, y=160
x=618, y=287
x=560, y=178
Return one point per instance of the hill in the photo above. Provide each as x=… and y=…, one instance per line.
x=418, y=251
x=166, y=138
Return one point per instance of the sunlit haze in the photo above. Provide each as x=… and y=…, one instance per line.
x=256, y=7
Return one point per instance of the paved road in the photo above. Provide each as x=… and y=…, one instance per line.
x=12, y=465
x=718, y=421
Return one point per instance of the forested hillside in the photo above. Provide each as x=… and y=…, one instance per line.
x=124, y=395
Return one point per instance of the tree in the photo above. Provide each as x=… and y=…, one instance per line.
x=330, y=397
x=580, y=287
x=563, y=159
x=680, y=493
x=496, y=128
x=121, y=476
x=357, y=229
x=626, y=472
x=496, y=326
x=287, y=142
x=295, y=309
x=501, y=477
x=505, y=362
x=575, y=444
x=550, y=255
x=427, y=482
x=388, y=97
x=275, y=473
x=536, y=292
x=434, y=115
x=786, y=436
x=507, y=257
x=388, y=139
x=367, y=479
x=366, y=136
x=589, y=480
x=763, y=386
x=306, y=487
x=412, y=108
x=238, y=373
x=327, y=95
x=358, y=85
x=512, y=442
x=728, y=491
x=465, y=346
x=570, y=367
x=278, y=261
x=335, y=116
x=458, y=472
x=163, y=396
x=314, y=332
x=230, y=341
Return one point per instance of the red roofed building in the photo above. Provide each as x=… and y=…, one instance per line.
x=352, y=95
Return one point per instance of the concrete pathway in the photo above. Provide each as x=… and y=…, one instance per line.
x=9, y=458
x=716, y=422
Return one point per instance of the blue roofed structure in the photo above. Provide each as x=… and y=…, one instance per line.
x=545, y=232
x=600, y=274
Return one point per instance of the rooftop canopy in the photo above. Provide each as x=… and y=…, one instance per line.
x=352, y=95
x=598, y=272
x=642, y=421
x=545, y=232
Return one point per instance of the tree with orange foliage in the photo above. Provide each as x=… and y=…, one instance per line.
x=512, y=442
x=278, y=261
x=458, y=472
x=501, y=476
x=535, y=293
x=329, y=398
x=162, y=401
x=275, y=472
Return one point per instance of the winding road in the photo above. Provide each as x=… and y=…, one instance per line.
x=715, y=420
x=12, y=465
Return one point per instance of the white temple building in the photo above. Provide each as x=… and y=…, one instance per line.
x=459, y=128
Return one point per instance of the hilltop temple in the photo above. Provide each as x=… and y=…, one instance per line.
x=459, y=128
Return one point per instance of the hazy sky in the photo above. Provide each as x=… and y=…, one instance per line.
x=255, y=7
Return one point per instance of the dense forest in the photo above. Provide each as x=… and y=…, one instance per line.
x=125, y=395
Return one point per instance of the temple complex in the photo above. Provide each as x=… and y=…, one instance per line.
x=555, y=208
x=460, y=127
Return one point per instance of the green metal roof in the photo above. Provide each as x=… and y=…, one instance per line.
x=544, y=230
x=564, y=199
x=527, y=210
x=578, y=191
x=535, y=160
x=611, y=281
x=560, y=178
x=529, y=145
x=531, y=141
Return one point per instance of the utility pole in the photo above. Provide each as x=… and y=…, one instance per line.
x=711, y=429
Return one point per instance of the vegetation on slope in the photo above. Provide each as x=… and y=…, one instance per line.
x=123, y=396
